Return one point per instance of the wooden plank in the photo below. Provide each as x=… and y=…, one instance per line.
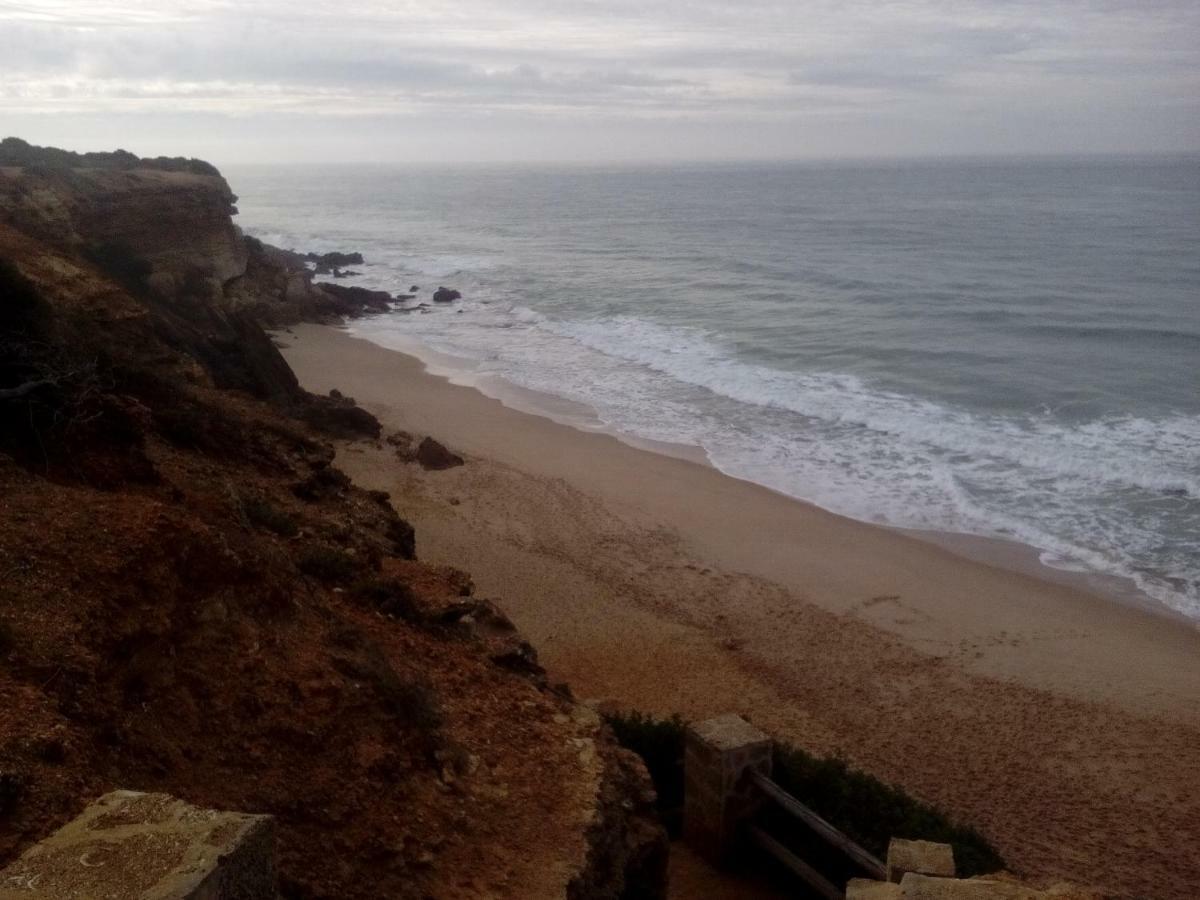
x=806, y=873
x=873, y=866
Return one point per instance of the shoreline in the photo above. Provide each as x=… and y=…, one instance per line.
x=1064, y=726
x=1011, y=554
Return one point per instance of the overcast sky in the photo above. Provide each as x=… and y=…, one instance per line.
x=607, y=80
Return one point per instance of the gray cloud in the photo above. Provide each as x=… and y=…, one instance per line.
x=790, y=78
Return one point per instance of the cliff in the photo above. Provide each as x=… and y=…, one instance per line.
x=196, y=601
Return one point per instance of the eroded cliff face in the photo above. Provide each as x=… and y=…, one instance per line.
x=195, y=601
x=178, y=222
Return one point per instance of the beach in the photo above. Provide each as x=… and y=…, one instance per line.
x=1064, y=725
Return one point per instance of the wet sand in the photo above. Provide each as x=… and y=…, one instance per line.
x=1064, y=725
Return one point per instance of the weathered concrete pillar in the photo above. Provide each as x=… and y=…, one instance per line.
x=717, y=795
x=922, y=857
x=138, y=846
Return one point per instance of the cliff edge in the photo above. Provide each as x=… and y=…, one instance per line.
x=195, y=601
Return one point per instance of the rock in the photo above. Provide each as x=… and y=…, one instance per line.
x=445, y=295
x=923, y=857
x=399, y=439
x=432, y=455
x=335, y=259
x=339, y=416
x=414, y=288
x=130, y=844
x=343, y=300
x=173, y=222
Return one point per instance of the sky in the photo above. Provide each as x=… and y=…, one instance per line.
x=600, y=80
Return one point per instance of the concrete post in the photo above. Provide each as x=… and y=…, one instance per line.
x=717, y=796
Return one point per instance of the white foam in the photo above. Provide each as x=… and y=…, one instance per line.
x=1117, y=495
x=1090, y=495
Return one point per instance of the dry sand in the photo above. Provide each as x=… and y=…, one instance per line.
x=1064, y=725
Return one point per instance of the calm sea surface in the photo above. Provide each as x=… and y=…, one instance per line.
x=1006, y=349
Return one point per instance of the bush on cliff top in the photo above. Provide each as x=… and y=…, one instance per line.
x=16, y=152
x=866, y=809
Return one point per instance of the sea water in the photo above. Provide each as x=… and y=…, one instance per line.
x=996, y=348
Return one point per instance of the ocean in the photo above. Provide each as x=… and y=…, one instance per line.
x=1006, y=349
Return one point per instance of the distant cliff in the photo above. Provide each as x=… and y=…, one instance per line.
x=197, y=601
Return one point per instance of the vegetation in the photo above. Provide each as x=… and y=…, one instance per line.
x=659, y=742
x=328, y=564
x=51, y=393
x=16, y=152
x=866, y=809
x=12, y=785
x=390, y=596
x=264, y=514
x=871, y=812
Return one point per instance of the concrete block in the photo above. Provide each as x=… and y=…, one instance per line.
x=866, y=889
x=134, y=846
x=718, y=797
x=922, y=857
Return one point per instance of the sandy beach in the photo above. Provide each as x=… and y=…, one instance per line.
x=1064, y=725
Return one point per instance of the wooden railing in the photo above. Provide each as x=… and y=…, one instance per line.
x=868, y=863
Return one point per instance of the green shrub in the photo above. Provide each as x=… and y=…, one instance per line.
x=659, y=742
x=12, y=786
x=871, y=812
x=328, y=564
x=23, y=311
x=866, y=809
x=264, y=514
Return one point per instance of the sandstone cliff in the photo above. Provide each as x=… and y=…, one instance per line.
x=195, y=601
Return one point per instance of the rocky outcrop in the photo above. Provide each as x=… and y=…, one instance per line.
x=446, y=295
x=356, y=301
x=166, y=226
x=177, y=222
x=627, y=844
x=197, y=602
x=339, y=416
x=333, y=263
x=433, y=455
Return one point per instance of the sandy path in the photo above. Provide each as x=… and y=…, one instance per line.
x=1066, y=727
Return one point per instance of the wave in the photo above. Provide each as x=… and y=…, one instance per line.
x=1142, y=453
x=1096, y=495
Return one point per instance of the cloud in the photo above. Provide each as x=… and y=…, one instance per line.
x=1007, y=66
